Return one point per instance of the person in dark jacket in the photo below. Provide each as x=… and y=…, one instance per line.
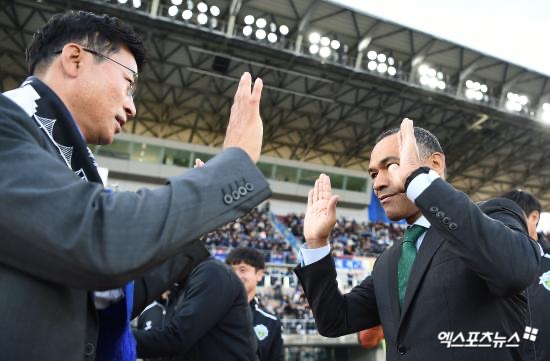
x=211, y=320
x=538, y=293
x=249, y=265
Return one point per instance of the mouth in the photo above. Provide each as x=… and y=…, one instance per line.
x=120, y=121
x=385, y=198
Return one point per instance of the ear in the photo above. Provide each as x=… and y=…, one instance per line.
x=71, y=59
x=437, y=163
x=535, y=216
x=259, y=275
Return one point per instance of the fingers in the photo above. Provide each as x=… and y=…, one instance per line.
x=198, y=163
x=332, y=207
x=326, y=189
x=316, y=191
x=257, y=91
x=244, y=86
x=407, y=131
x=310, y=197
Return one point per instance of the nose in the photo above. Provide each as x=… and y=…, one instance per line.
x=130, y=107
x=381, y=182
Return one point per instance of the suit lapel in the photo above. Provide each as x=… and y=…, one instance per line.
x=431, y=243
x=391, y=281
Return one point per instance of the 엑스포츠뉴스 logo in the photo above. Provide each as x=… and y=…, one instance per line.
x=545, y=280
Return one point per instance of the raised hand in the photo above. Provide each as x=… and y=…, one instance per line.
x=245, y=128
x=409, y=157
x=198, y=163
x=320, y=213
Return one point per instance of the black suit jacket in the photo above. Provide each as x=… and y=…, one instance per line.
x=468, y=276
x=62, y=238
x=211, y=321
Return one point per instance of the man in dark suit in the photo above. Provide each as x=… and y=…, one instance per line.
x=460, y=269
x=63, y=236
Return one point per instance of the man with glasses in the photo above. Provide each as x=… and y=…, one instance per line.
x=70, y=249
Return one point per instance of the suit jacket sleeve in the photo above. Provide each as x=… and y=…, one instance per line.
x=336, y=314
x=207, y=298
x=494, y=244
x=58, y=228
x=176, y=269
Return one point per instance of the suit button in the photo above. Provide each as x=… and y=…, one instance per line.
x=243, y=191
x=446, y=220
x=89, y=349
x=440, y=214
x=434, y=210
x=402, y=349
x=235, y=195
x=227, y=199
x=453, y=226
x=249, y=186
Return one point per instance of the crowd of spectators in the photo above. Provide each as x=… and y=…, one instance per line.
x=291, y=306
x=253, y=230
x=352, y=238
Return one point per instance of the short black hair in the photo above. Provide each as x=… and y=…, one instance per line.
x=527, y=202
x=103, y=33
x=249, y=256
x=426, y=141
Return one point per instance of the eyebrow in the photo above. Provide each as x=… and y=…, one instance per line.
x=384, y=161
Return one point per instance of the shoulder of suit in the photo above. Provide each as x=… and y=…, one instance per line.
x=216, y=272
x=11, y=114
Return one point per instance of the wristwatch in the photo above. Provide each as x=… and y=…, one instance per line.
x=421, y=170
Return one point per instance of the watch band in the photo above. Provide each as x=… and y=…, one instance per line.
x=421, y=170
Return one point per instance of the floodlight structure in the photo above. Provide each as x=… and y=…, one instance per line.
x=263, y=30
x=327, y=99
x=431, y=78
x=476, y=91
x=381, y=63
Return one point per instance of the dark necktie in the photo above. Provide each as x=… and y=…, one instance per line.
x=408, y=253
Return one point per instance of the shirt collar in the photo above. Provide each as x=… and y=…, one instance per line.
x=422, y=221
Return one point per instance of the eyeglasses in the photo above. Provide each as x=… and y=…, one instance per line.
x=133, y=83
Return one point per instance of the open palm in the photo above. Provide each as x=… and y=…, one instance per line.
x=320, y=213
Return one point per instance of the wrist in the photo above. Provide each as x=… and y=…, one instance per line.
x=313, y=243
x=414, y=174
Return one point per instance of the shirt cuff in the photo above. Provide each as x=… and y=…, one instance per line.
x=310, y=256
x=420, y=183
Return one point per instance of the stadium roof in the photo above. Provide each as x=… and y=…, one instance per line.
x=321, y=105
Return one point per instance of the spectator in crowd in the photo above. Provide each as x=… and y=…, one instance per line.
x=249, y=265
x=538, y=293
x=63, y=235
x=211, y=320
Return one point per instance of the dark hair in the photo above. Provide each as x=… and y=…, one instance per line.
x=426, y=141
x=250, y=256
x=527, y=202
x=102, y=33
